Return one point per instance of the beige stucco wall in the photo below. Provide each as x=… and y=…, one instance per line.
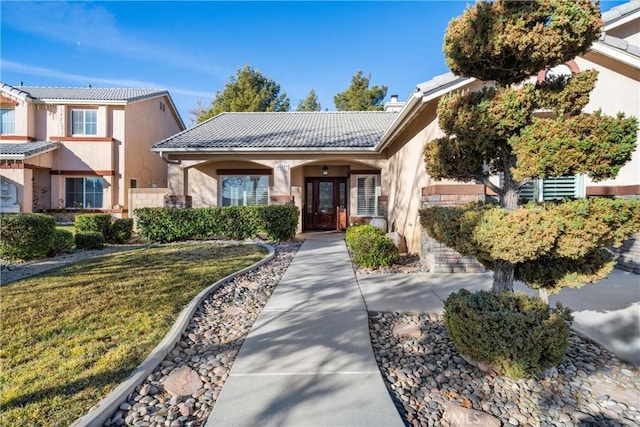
x=18, y=177
x=617, y=90
x=146, y=124
x=406, y=173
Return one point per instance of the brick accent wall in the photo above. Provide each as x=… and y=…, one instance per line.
x=628, y=255
x=435, y=256
x=383, y=206
x=146, y=198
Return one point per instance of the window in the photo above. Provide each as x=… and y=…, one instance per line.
x=84, y=122
x=83, y=192
x=367, y=200
x=7, y=121
x=245, y=190
x=552, y=188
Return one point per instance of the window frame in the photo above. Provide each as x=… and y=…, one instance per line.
x=362, y=212
x=2, y=121
x=72, y=205
x=84, y=121
x=245, y=197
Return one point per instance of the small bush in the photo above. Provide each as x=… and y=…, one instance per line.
x=516, y=333
x=100, y=223
x=355, y=231
x=370, y=246
x=89, y=240
x=63, y=242
x=120, y=230
x=26, y=236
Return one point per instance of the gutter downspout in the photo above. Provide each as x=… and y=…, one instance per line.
x=171, y=162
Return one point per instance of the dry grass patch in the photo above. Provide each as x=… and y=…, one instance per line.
x=70, y=336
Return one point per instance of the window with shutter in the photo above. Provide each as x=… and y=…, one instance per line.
x=551, y=188
x=367, y=200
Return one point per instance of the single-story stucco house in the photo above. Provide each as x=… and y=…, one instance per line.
x=345, y=167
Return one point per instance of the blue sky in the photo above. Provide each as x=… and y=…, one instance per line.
x=193, y=48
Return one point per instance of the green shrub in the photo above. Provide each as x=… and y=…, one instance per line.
x=516, y=333
x=26, y=236
x=279, y=222
x=355, y=231
x=89, y=240
x=120, y=230
x=370, y=246
x=100, y=223
x=63, y=242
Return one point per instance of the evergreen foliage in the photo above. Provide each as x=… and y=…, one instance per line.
x=359, y=97
x=515, y=333
x=370, y=246
x=26, y=235
x=310, y=103
x=249, y=90
x=526, y=131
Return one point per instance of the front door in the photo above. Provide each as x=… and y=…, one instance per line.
x=325, y=204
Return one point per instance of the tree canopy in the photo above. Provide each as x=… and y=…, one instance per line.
x=359, y=97
x=248, y=90
x=310, y=103
x=498, y=131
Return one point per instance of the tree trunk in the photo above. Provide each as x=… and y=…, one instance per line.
x=544, y=295
x=504, y=271
x=502, y=277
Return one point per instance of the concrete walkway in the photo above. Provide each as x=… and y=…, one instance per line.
x=308, y=359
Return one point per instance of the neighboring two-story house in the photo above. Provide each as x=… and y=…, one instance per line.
x=81, y=147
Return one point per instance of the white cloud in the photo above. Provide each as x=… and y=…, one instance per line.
x=93, y=26
x=95, y=80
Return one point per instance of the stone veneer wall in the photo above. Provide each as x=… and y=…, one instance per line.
x=435, y=256
x=628, y=255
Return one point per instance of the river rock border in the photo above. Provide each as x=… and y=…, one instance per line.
x=142, y=400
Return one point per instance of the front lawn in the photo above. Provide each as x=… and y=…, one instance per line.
x=70, y=336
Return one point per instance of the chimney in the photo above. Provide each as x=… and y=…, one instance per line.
x=393, y=106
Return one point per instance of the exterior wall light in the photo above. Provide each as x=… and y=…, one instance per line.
x=325, y=170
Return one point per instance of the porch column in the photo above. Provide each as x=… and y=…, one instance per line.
x=281, y=180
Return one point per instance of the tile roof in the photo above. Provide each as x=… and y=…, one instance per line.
x=290, y=130
x=20, y=151
x=620, y=44
x=90, y=94
x=620, y=11
x=440, y=82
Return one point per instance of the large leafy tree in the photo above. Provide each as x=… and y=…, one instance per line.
x=498, y=132
x=310, y=103
x=249, y=90
x=359, y=97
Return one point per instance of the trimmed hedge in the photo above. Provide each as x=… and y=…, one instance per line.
x=63, y=242
x=370, y=246
x=89, y=240
x=26, y=235
x=100, y=223
x=116, y=230
x=513, y=332
x=278, y=222
x=121, y=230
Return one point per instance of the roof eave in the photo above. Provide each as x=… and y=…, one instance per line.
x=416, y=103
x=51, y=147
x=617, y=54
x=272, y=150
x=621, y=20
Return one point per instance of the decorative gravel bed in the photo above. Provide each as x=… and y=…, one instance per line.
x=425, y=376
x=201, y=361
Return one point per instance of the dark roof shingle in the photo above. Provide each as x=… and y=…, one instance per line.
x=24, y=150
x=90, y=94
x=290, y=130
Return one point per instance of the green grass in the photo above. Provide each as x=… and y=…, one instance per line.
x=70, y=336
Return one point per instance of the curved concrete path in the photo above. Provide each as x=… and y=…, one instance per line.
x=308, y=360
